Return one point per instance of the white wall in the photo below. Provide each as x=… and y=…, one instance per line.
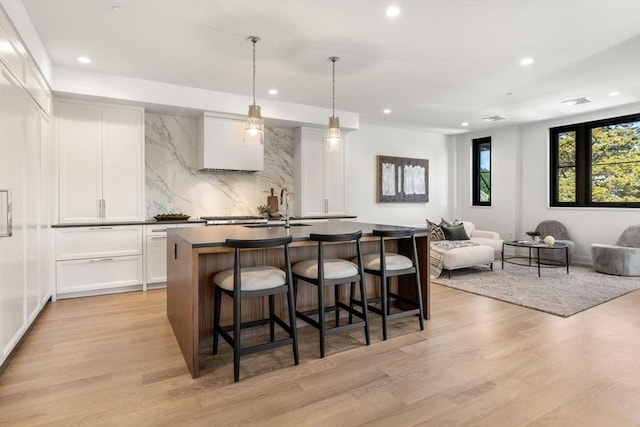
x=520, y=184
x=362, y=147
x=502, y=215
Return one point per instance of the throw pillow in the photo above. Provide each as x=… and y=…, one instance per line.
x=456, y=232
x=435, y=231
x=447, y=223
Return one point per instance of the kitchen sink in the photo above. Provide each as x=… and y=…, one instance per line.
x=275, y=225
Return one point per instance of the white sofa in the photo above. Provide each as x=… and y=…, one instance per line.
x=488, y=243
x=483, y=237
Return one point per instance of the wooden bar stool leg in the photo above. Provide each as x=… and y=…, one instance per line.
x=237, y=316
x=272, y=326
x=216, y=317
x=352, y=290
x=321, y=317
x=292, y=323
x=419, y=298
x=385, y=302
x=336, y=297
x=365, y=312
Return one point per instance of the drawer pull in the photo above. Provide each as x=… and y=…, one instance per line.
x=158, y=237
x=101, y=260
x=159, y=230
x=100, y=228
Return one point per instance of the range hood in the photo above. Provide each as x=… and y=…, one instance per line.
x=221, y=145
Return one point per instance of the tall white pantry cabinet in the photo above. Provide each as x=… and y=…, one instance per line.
x=100, y=151
x=101, y=188
x=26, y=271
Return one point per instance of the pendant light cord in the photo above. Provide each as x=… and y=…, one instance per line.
x=254, y=40
x=333, y=60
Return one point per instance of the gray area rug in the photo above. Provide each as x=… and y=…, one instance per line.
x=555, y=292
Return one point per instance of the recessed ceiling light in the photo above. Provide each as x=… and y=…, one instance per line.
x=493, y=118
x=84, y=59
x=576, y=101
x=526, y=61
x=465, y=124
x=392, y=11
x=386, y=111
x=273, y=91
x=614, y=93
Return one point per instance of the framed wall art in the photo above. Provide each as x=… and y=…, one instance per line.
x=402, y=180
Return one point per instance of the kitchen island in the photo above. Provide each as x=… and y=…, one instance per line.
x=195, y=255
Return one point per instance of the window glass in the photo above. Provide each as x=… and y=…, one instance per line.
x=597, y=163
x=615, y=163
x=482, y=171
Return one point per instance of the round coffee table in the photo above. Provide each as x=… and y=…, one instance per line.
x=535, y=247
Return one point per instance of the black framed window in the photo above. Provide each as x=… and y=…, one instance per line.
x=482, y=171
x=596, y=164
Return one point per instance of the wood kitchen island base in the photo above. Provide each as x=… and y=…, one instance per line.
x=195, y=255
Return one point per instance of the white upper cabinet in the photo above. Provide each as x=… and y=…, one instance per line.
x=318, y=175
x=100, y=162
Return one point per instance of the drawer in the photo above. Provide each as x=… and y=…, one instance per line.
x=95, y=242
x=98, y=273
x=161, y=229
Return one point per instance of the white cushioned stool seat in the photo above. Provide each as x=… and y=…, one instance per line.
x=252, y=278
x=393, y=262
x=333, y=268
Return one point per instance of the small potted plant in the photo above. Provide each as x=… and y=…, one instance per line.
x=535, y=235
x=264, y=210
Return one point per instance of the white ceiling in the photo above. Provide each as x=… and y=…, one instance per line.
x=438, y=64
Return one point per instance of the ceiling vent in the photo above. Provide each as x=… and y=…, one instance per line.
x=576, y=101
x=493, y=118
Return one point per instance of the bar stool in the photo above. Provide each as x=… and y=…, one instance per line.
x=324, y=273
x=386, y=265
x=251, y=282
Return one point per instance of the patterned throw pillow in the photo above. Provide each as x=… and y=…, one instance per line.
x=447, y=223
x=436, y=232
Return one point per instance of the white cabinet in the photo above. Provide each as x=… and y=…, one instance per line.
x=25, y=246
x=318, y=175
x=24, y=288
x=156, y=251
x=13, y=321
x=92, y=260
x=101, y=168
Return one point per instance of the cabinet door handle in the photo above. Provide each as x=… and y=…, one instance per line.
x=326, y=205
x=159, y=237
x=9, y=226
x=159, y=230
x=100, y=228
x=101, y=260
x=103, y=208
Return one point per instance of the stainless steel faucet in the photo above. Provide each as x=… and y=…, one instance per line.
x=284, y=198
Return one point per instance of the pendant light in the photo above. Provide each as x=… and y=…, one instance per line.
x=334, y=137
x=254, y=130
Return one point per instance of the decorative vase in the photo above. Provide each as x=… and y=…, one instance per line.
x=549, y=240
x=536, y=238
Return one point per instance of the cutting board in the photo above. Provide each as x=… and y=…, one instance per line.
x=273, y=202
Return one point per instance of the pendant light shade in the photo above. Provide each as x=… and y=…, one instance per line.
x=334, y=137
x=254, y=130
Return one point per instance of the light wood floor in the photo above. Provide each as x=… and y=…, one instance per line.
x=113, y=360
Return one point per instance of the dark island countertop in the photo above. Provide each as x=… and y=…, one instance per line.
x=216, y=236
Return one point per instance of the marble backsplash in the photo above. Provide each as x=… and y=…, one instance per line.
x=173, y=183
